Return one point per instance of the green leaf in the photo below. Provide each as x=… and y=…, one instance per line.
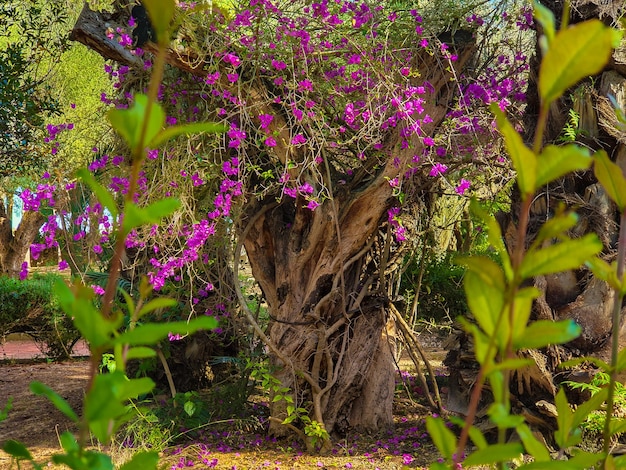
x=606, y=272
x=494, y=235
x=154, y=304
x=612, y=178
x=484, y=354
x=562, y=256
x=59, y=403
x=501, y=417
x=190, y=408
x=17, y=450
x=555, y=227
x=532, y=445
x=546, y=332
x=103, y=194
x=5, y=411
x=152, y=214
x=441, y=436
x=140, y=352
x=97, y=330
x=475, y=434
x=523, y=306
x=129, y=123
x=567, y=434
x=594, y=403
x=575, y=53
x=554, y=162
x=169, y=133
x=161, y=13
x=617, y=426
x=484, y=288
x=152, y=333
x=495, y=453
x=510, y=364
x=545, y=18
x=142, y=461
x=69, y=443
x=523, y=158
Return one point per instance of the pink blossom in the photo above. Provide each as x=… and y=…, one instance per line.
x=270, y=142
x=463, y=186
x=438, y=169
x=298, y=139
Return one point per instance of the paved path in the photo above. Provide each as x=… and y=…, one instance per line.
x=27, y=349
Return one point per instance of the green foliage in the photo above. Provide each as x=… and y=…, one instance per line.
x=496, y=296
x=31, y=306
x=31, y=31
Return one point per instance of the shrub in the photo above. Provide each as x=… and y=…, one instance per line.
x=31, y=307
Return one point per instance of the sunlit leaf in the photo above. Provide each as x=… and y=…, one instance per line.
x=523, y=158
x=152, y=333
x=501, y=417
x=142, y=461
x=187, y=129
x=523, y=305
x=562, y=256
x=495, y=453
x=612, y=178
x=555, y=227
x=532, y=445
x=554, y=162
x=129, y=123
x=140, y=352
x=575, y=53
x=153, y=214
x=606, y=272
x=542, y=333
x=442, y=437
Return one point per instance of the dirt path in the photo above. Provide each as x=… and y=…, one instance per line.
x=33, y=420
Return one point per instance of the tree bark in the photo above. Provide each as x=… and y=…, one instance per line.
x=14, y=245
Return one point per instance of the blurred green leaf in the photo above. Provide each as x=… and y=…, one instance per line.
x=142, y=461
x=495, y=453
x=129, y=123
x=611, y=177
x=554, y=162
x=485, y=297
x=523, y=158
x=59, y=403
x=607, y=272
x=562, y=256
x=5, y=411
x=154, y=304
x=68, y=442
x=575, y=53
x=494, y=235
x=542, y=333
x=161, y=13
x=152, y=333
x=555, y=227
x=441, y=436
x=532, y=445
x=103, y=194
x=152, y=214
x=17, y=449
x=97, y=330
x=169, y=133
x=523, y=305
x=545, y=18
x=140, y=352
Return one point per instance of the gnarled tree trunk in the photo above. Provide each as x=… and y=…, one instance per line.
x=14, y=245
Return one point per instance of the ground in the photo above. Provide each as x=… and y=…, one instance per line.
x=227, y=445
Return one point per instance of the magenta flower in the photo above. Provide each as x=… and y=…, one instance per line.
x=298, y=139
x=63, y=265
x=438, y=169
x=463, y=186
x=312, y=205
x=24, y=271
x=270, y=142
x=278, y=64
x=266, y=120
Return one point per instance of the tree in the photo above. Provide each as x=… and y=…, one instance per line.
x=334, y=111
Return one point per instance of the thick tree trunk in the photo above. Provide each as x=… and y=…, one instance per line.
x=14, y=245
x=319, y=270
